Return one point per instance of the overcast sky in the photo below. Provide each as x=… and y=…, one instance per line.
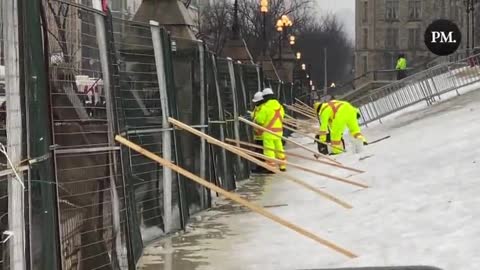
x=345, y=9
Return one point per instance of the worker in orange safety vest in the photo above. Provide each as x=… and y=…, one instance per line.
x=338, y=115
x=270, y=116
x=258, y=134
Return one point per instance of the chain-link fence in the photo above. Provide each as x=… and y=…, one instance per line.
x=70, y=197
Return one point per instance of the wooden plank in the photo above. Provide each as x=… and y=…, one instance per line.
x=341, y=179
x=258, y=162
x=234, y=197
x=296, y=155
x=286, y=139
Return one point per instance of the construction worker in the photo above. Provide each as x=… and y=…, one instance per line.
x=401, y=66
x=338, y=115
x=270, y=116
x=323, y=148
x=257, y=134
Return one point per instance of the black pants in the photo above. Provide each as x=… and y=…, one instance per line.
x=401, y=74
x=322, y=148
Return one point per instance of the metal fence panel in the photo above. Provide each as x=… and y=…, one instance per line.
x=426, y=86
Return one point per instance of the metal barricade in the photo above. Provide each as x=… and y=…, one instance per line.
x=427, y=86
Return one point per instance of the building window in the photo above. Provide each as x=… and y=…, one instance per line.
x=439, y=6
x=413, y=38
x=391, y=10
x=365, y=12
x=365, y=38
x=391, y=38
x=415, y=9
x=453, y=9
x=389, y=61
x=365, y=64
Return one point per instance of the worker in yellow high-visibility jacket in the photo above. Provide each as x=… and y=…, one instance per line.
x=258, y=134
x=270, y=116
x=338, y=115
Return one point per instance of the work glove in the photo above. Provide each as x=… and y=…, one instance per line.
x=365, y=143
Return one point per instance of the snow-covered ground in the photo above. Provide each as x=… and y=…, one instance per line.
x=423, y=207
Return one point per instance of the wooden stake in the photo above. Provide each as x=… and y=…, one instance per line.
x=299, y=101
x=300, y=112
x=286, y=139
x=296, y=155
x=310, y=112
x=232, y=149
x=340, y=179
x=234, y=197
x=315, y=139
x=295, y=128
x=305, y=109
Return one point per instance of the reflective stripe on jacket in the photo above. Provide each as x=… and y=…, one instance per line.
x=328, y=112
x=270, y=116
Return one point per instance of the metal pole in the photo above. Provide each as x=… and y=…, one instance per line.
x=203, y=118
x=16, y=214
x=103, y=52
x=166, y=135
x=236, y=123
x=468, y=27
x=221, y=118
x=280, y=47
x=325, y=67
x=473, y=24
x=264, y=33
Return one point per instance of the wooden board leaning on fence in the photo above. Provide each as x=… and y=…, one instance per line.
x=234, y=197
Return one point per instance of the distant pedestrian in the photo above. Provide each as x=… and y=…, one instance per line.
x=401, y=66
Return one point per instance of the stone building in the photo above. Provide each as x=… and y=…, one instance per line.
x=385, y=28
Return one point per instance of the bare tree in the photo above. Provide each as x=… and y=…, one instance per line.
x=217, y=20
x=326, y=34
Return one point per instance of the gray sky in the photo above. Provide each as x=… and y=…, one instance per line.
x=345, y=9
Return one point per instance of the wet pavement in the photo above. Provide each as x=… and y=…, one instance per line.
x=420, y=210
x=187, y=250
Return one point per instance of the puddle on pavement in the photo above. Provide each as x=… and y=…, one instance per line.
x=184, y=250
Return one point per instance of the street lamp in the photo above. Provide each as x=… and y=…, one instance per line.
x=264, y=10
x=304, y=67
x=299, y=55
x=292, y=40
x=282, y=26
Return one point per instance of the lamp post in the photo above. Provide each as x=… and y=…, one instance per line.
x=282, y=27
x=470, y=10
x=264, y=10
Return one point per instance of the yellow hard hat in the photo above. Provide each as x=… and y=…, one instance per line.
x=317, y=105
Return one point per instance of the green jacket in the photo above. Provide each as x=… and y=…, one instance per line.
x=401, y=64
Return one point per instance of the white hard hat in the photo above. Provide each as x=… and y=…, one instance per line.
x=267, y=91
x=258, y=97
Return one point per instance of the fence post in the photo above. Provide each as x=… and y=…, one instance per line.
x=222, y=126
x=454, y=80
x=236, y=123
x=100, y=28
x=166, y=135
x=259, y=80
x=203, y=119
x=16, y=208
